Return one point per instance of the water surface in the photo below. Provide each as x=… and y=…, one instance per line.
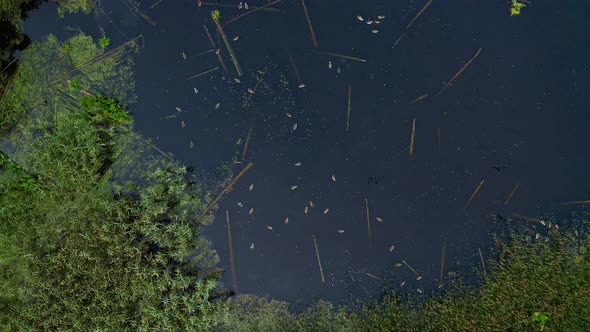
x=517, y=115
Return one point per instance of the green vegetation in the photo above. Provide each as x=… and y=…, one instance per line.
x=81, y=249
x=216, y=15
x=541, y=319
x=104, y=42
x=75, y=6
x=11, y=27
x=74, y=85
x=11, y=38
x=108, y=109
x=79, y=61
x=528, y=277
x=82, y=258
x=10, y=10
x=515, y=7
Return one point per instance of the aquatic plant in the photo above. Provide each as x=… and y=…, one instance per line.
x=109, y=110
x=75, y=6
x=104, y=42
x=47, y=66
x=515, y=7
x=74, y=85
x=216, y=15
x=112, y=75
x=541, y=319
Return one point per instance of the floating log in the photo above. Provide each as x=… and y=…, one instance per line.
x=254, y=90
x=343, y=56
x=511, y=194
x=473, y=195
x=368, y=219
x=373, y=276
x=134, y=8
x=216, y=48
x=203, y=73
x=252, y=11
x=349, y=106
x=399, y=39
x=246, y=144
x=483, y=264
x=438, y=134
x=575, y=202
x=450, y=82
x=315, y=42
x=155, y=4
x=442, y=264
x=206, y=52
x=411, y=268
x=413, y=137
x=227, y=45
x=225, y=5
x=418, y=99
x=231, y=252
x=410, y=24
x=317, y=253
x=527, y=218
x=418, y=15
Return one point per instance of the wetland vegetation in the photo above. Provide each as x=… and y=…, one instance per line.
x=99, y=230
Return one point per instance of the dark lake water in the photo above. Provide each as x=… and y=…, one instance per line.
x=518, y=114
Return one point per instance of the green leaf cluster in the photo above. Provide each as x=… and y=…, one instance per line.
x=74, y=85
x=515, y=7
x=104, y=42
x=216, y=15
x=108, y=109
x=541, y=319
